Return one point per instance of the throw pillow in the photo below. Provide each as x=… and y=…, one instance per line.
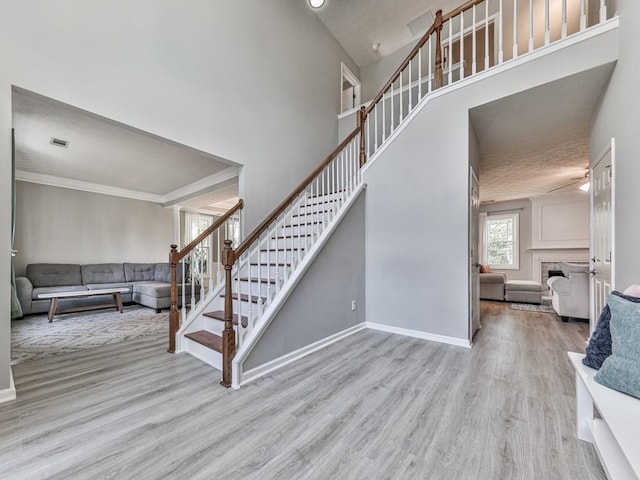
x=568, y=268
x=633, y=291
x=485, y=269
x=599, y=348
x=621, y=371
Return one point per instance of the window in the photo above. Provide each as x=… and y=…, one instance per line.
x=501, y=243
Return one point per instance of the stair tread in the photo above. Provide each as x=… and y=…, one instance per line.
x=219, y=315
x=283, y=237
x=208, y=339
x=245, y=298
x=257, y=280
x=271, y=264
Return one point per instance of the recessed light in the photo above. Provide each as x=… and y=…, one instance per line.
x=316, y=3
x=58, y=142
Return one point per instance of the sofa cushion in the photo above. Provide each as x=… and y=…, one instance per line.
x=102, y=273
x=492, y=277
x=140, y=272
x=68, y=288
x=523, y=286
x=54, y=274
x=158, y=289
x=163, y=272
x=100, y=286
x=621, y=371
x=568, y=268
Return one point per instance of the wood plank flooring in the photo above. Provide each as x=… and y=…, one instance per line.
x=373, y=406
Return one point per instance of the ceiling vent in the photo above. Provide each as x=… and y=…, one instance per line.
x=59, y=142
x=419, y=25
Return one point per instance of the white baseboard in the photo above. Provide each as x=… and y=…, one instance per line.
x=280, y=362
x=8, y=394
x=458, y=342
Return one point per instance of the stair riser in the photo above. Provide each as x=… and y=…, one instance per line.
x=289, y=256
x=272, y=271
x=299, y=229
x=203, y=353
x=290, y=242
x=257, y=289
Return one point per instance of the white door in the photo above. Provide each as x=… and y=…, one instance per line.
x=602, y=246
x=474, y=266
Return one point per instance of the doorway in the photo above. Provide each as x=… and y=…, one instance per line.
x=350, y=90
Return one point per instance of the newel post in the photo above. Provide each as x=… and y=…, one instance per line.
x=362, y=115
x=229, y=334
x=174, y=318
x=438, y=28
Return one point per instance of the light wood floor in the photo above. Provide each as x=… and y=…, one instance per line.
x=374, y=406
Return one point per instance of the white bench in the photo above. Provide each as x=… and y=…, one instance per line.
x=616, y=435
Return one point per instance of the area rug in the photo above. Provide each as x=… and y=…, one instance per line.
x=34, y=337
x=544, y=307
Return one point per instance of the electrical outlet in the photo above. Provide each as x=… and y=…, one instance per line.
x=353, y=305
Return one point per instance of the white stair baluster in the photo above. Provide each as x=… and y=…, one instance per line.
x=461, y=46
x=209, y=263
x=547, y=31
x=487, y=60
x=500, y=39
x=375, y=121
x=450, y=54
x=564, y=18
x=515, y=28
x=420, y=74
x=531, y=25
x=430, y=77
x=583, y=15
x=410, y=87
x=603, y=11
x=182, y=280
x=474, y=48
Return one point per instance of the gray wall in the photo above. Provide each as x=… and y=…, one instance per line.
x=375, y=75
x=186, y=71
x=523, y=207
x=320, y=305
x=417, y=271
x=618, y=117
x=59, y=225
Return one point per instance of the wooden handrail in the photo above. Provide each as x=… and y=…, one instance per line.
x=217, y=224
x=248, y=241
x=461, y=9
x=401, y=68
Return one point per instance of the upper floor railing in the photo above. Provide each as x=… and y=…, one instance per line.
x=474, y=37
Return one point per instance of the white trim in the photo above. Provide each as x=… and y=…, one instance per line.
x=458, y=342
x=72, y=184
x=273, y=365
x=8, y=394
x=199, y=185
x=574, y=39
x=269, y=314
x=188, y=190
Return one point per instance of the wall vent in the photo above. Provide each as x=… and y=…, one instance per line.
x=59, y=142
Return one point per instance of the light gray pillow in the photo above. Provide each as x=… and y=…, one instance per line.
x=621, y=371
x=568, y=268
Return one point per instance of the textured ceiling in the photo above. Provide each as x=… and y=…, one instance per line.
x=538, y=140
x=359, y=24
x=101, y=151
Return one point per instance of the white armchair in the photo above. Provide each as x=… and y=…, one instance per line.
x=570, y=294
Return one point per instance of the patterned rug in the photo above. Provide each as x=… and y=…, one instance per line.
x=34, y=337
x=544, y=307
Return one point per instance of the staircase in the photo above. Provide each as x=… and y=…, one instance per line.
x=227, y=320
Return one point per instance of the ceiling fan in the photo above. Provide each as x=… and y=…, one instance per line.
x=574, y=181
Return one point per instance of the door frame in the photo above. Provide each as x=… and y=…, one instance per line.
x=610, y=148
x=473, y=304
x=347, y=74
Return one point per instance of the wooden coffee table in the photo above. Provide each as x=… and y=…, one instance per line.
x=114, y=292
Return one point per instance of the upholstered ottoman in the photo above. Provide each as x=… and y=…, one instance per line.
x=523, y=291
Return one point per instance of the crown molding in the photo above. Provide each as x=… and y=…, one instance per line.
x=180, y=193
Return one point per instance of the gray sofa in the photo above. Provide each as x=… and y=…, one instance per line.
x=148, y=284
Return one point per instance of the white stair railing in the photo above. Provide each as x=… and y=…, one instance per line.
x=475, y=37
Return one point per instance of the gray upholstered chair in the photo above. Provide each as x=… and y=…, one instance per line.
x=570, y=294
